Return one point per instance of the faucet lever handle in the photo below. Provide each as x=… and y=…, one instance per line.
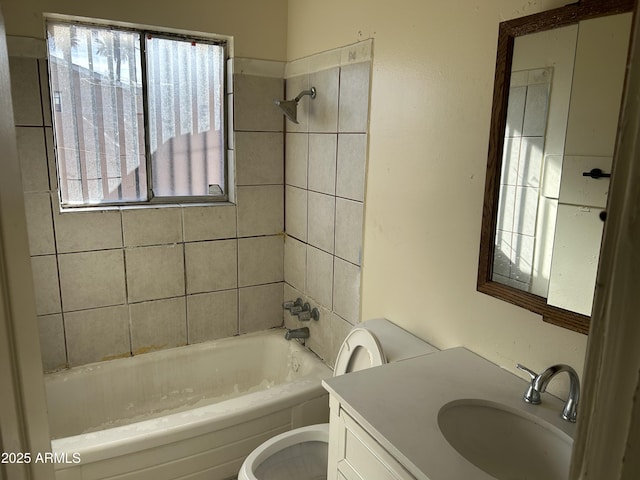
x=293, y=307
x=308, y=313
x=531, y=373
x=531, y=396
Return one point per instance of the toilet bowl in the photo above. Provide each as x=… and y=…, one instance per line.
x=301, y=454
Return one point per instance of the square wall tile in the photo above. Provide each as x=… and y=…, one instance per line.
x=151, y=226
x=211, y=265
x=259, y=158
x=340, y=328
x=515, y=110
x=296, y=159
x=155, y=272
x=158, y=324
x=351, y=168
x=85, y=231
x=502, y=253
x=346, y=291
x=526, y=210
x=294, y=86
x=322, y=209
x=320, y=333
x=349, y=218
x=354, y=97
x=506, y=207
x=25, y=91
x=45, y=284
x=290, y=294
x=530, y=165
x=32, y=153
x=320, y=276
x=510, y=161
x=535, y=111
x=39, y=223
x=295, y=262
x=91, y=279
x=52, y=347
x=260, y=307
x=260, y=210
x=97, y=335
x=212, y=315
x=322, y=163
x=323, y=110
x=523, y=251
x=254, y=109
x=43, y=70
x=296, y=213
x=213, y=222
x=260, y=260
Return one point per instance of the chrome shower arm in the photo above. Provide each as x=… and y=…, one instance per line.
x=311, y=93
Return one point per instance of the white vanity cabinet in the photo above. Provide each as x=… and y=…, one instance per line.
x=384, y=421
x=356, y=455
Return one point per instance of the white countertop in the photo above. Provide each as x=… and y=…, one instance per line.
x=398, y=404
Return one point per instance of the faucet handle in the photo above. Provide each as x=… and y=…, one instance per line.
x=531, y=396
x=308, y=313
x=293, y=307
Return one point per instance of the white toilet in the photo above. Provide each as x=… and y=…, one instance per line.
x=301, y=454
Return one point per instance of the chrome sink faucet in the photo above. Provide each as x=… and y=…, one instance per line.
x=539, y=384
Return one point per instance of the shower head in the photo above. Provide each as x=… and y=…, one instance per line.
x=290, y=107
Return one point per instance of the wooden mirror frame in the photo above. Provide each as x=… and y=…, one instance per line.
x=508, y=31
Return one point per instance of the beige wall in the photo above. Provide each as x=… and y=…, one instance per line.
x=259, y=28
x=432, y=81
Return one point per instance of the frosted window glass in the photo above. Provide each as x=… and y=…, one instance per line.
x=186, y=129
x=96, y=76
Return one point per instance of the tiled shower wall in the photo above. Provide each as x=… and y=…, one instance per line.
x=119, y=282
x=325, y=167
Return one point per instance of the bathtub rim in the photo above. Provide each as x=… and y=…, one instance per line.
x=148, y=356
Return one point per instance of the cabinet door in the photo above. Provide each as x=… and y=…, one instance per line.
x=355, y=455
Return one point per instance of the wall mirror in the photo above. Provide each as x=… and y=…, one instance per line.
x=557, y=95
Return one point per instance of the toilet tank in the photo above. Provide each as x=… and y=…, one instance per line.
x=397, y=344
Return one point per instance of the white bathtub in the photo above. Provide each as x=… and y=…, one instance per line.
x=190, y=412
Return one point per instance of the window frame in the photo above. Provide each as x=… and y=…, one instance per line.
x=226, y=42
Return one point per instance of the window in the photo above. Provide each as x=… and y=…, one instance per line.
x=138, y=115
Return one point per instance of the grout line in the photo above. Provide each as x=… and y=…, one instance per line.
x=126, y=284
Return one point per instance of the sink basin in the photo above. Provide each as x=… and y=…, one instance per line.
x=504, y=442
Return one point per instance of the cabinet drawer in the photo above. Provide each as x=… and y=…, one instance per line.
x=367, y=457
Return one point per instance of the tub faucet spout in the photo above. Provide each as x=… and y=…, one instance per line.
x=539, y=384
x=297, y=333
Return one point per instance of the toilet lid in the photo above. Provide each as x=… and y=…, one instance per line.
x=360, y=349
